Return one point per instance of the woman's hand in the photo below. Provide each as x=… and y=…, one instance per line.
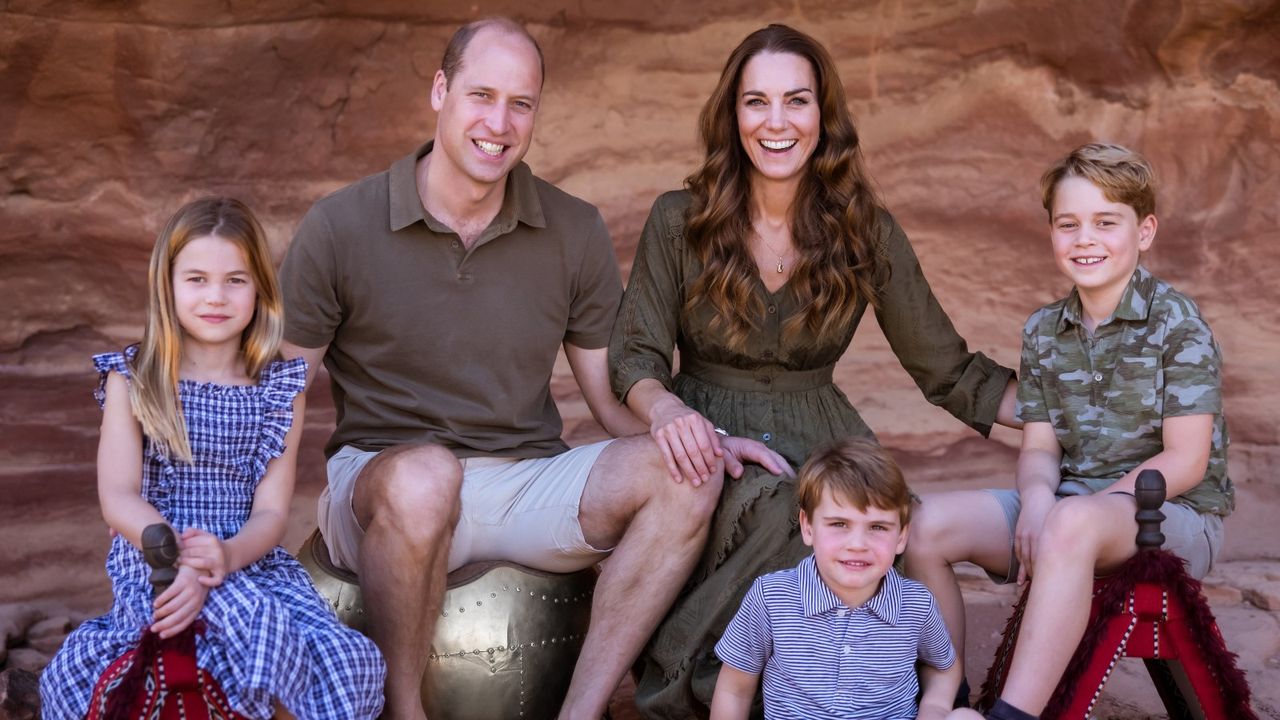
x=204, y=552
x=688, y=441
x=739, y=450
x=179, y=605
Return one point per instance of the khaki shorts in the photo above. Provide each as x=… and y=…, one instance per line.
x=520, y=510
x=1190, y=535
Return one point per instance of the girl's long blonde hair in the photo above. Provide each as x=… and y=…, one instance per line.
x=154, y=391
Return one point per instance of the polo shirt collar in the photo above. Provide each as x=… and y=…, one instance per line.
x=817, y=598
x=1135, y=303
x=519, y=204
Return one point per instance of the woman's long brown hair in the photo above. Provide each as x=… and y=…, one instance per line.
x=833, y=224
x=154, y=390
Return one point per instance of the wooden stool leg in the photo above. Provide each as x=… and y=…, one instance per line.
x=1175, y=689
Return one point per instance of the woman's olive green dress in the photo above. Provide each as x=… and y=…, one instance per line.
x=777, y=390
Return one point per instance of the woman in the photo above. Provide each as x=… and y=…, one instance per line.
x=759, y=273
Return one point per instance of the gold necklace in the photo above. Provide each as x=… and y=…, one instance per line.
x=772, y=250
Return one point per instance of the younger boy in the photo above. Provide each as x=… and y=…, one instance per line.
x=839, y=635
x=1121, y=375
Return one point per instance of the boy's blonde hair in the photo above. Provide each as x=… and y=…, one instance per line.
x=1123, y=175
x=858, y=472
x=154, y=390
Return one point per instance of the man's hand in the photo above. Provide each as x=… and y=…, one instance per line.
x=1036, y=506
x=688, y=441
x=739, y=450
x=204, y=552
x=180, y=605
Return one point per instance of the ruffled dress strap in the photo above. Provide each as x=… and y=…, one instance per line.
x=107, y=363
x=281, y=381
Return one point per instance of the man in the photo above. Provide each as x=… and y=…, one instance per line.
x=437, y=294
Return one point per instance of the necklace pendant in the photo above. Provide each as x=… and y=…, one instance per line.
x=779, y=265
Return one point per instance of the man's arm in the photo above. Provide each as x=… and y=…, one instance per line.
x=591, y=370
x=313, y=356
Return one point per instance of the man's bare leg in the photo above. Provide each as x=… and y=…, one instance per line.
x=407, y=499
x=947, y=528
x=658, y=527
x=1082, y=536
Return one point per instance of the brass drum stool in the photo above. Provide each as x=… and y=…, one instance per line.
x=506, y=641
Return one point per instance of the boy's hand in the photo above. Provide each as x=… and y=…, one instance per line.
x=1026, y=537
x=739, y=450
x=178, y=606
x=204, y=552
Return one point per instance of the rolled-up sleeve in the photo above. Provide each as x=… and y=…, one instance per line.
x=644, y=335
x=969, y=385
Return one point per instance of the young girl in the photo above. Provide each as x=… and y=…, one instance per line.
x=198, y=432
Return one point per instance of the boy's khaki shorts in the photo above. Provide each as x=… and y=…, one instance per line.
x=520, y=510
x=1190, y=535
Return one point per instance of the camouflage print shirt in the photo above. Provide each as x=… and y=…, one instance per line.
x=1107, y=395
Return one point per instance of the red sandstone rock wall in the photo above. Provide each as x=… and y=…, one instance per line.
x=113, y=114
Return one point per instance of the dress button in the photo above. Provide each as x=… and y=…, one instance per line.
x=766, y=437
x=773, y=309
x=1097, y=377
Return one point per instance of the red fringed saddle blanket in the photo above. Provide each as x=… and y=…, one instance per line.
x=159, y=680
x=1149, y=609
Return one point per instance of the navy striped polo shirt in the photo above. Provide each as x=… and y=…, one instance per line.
x=821, y=659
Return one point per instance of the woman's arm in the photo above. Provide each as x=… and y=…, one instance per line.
x=969, y=385
x=643, y=343
x=268, y=519
x=120, y=465
x=688, y=441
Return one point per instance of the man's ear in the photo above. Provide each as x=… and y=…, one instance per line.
x=439, y=86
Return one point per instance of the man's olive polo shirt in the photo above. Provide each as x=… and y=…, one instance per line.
x=431, y=342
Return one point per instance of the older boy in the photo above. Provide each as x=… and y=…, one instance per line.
x=839, y=635
x=1121, y=375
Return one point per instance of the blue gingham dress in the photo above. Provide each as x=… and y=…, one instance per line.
x=269, y=633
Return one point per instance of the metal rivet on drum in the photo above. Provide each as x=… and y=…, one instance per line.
x=462, y=610
x=478, y=603
x=494, y=595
